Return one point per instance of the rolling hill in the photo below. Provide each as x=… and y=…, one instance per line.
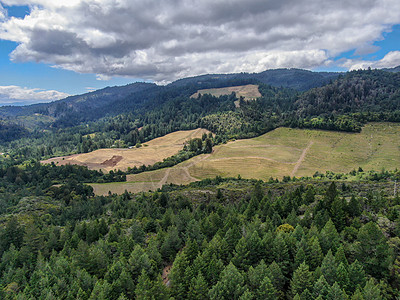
x=281, y=152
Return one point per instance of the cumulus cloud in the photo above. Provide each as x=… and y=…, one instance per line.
x=166, y=40
x=13, y=94
x=390, y=60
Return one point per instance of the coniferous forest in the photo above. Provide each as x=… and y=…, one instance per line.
x=217, y=238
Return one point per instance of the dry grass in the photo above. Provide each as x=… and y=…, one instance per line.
x=117, y=158
x=282, y=152
x=248, y=92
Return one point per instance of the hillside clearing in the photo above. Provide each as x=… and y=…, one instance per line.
x=248, y=92
x=281, y=152
x=122, y=158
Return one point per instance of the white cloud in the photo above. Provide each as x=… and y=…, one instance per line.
x=390, y=60
x=3, y=13
x=16, y=94
x=165, y=40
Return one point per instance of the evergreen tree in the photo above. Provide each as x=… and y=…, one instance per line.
x=328, y=268
x=338, y=213
x=354, y=207
x=336, y=293
x=241, y=258
x=302, y=279
x=373, y=251
x=315, y=254
x=266, y=290
x=340, y=257
x=230, y=286
x=357, y=295
x=281, y=253
x=198, y=288
x=321, y=288
x=342, y=277
x=356, y=275
x=179, y=283
x=329, y=238
x=371, y=291
x=276, y=276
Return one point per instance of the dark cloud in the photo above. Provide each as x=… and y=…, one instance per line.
x=165, y=40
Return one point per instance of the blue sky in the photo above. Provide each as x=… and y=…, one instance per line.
x=44, y=76
x=51, y=49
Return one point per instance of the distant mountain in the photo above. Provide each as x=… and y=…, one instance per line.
x=85, y=102
x=300, y=80
x=393, y=70
x=120, y=99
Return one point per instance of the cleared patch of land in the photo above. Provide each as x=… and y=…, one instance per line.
x=122, y=158
x=281, y=152
x=248, y=92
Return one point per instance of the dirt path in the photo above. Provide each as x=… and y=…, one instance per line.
x=164, y=179
x=300, y=161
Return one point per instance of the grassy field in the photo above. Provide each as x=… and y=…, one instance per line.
x=281, y=152
x=248, y=92
x=121, y=158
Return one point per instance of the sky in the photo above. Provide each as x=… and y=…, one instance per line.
x=50, y=49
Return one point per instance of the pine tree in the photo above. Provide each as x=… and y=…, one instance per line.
x=338, y=213
x=342, y=277
x=198, y=288
x=276, y=276
x=315, y=255
x=321, y=288
x=336, y=293
x=299, y=258
x=371, y=291
x=373, y=251
x=306, y=295
x=179, y=283
x=266, y=290
x=356, y=275
x=256, y=275
x=354, y=207
x=340, y=257
x=330, y=196
x=281, y=253
x=329, y=238
x=302, y=279
x=143, y=288
x=328, y=268
x=241, y=258
x=230, y=286
x=358, y=295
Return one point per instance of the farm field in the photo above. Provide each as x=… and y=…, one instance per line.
x=121, y=158
x=281, y=152
x=248, y=92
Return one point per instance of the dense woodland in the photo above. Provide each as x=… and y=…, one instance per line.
x=224, y=238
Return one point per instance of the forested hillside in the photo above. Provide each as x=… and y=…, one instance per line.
x=136, y=113
x=220, y=239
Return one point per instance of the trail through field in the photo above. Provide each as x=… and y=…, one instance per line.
x=300, y=161
x=165, y=178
